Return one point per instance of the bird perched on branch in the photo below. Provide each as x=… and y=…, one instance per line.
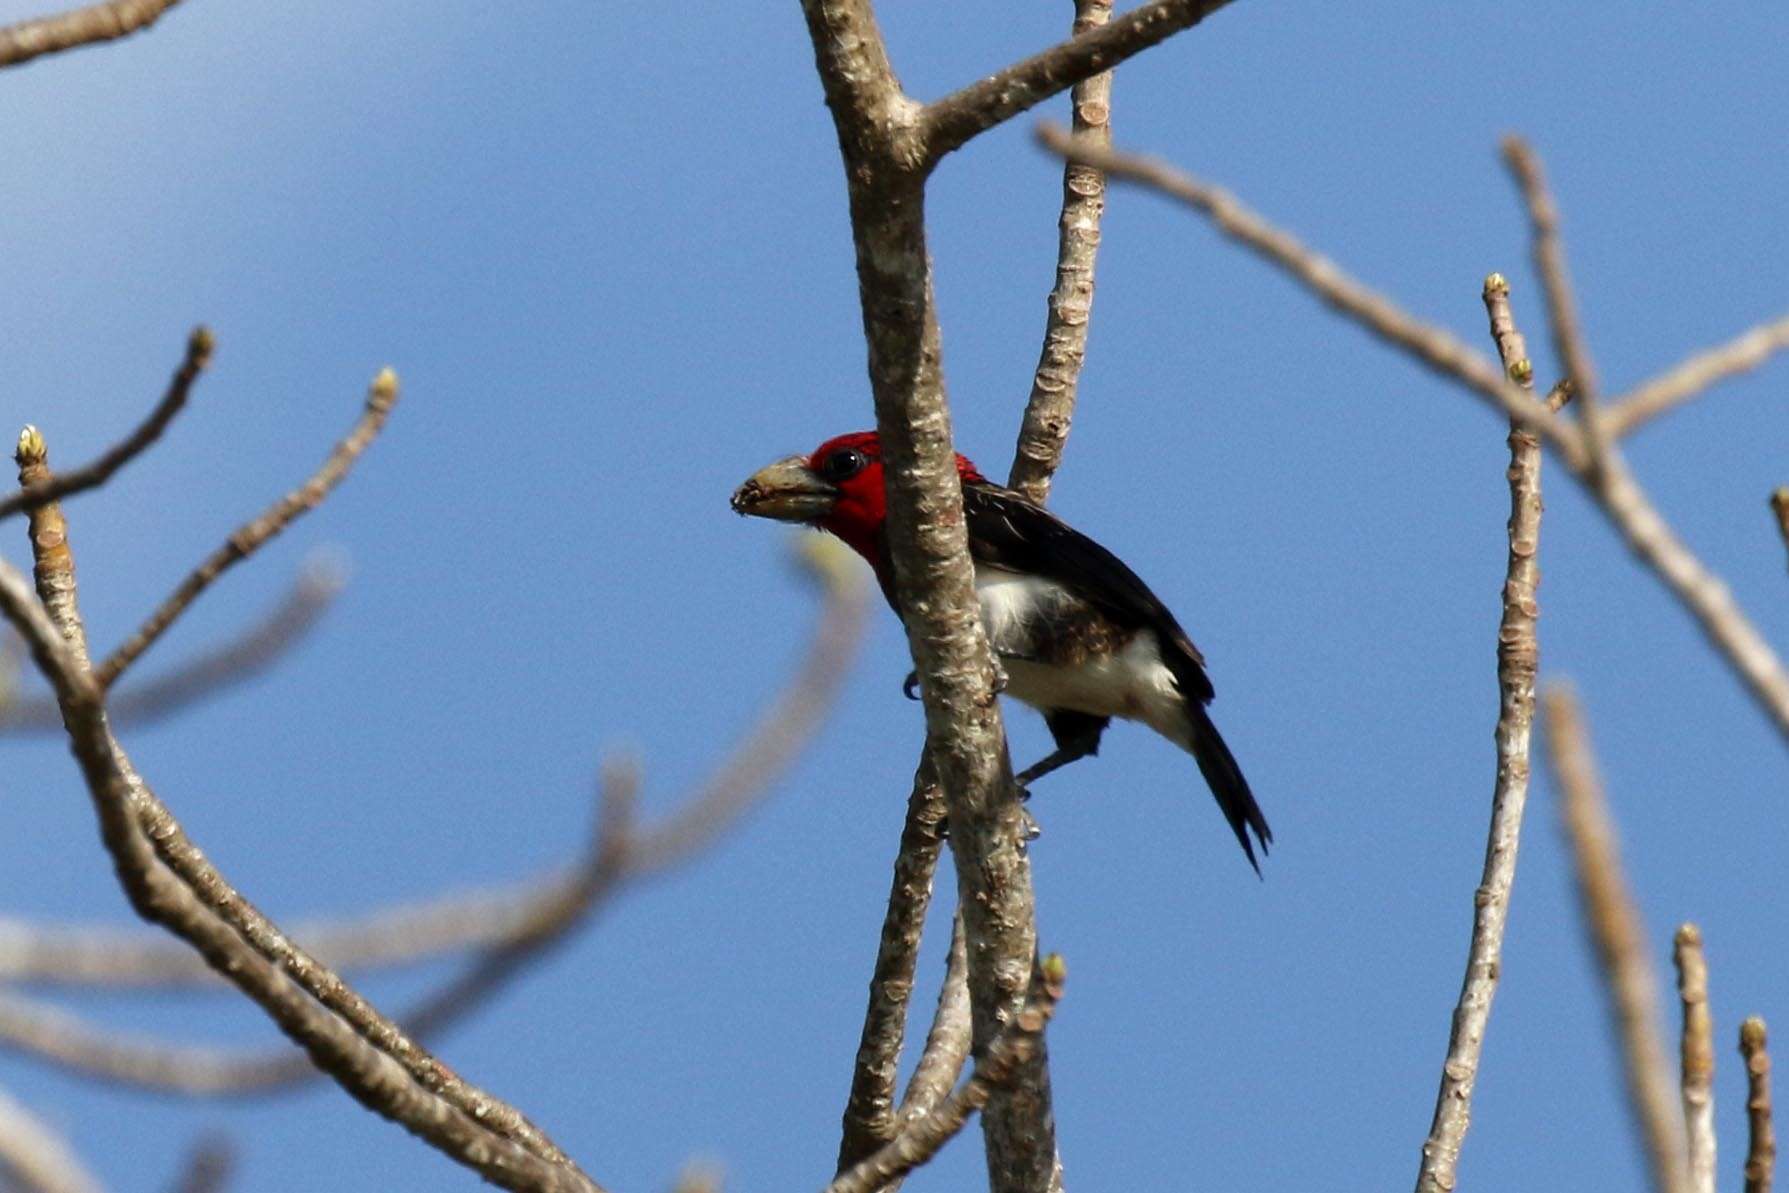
x=1080, y=637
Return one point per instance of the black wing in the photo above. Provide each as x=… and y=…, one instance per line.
x=1008, y=531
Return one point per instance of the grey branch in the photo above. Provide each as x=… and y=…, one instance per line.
x=1051, y=408
x=199, y=346
x=947, y=1043
x=34, y=1158
x=951, y=122
x=1518, y=654
x=1618, y=940
x=1696, y=1060
x=171, y=882
x=1003, y=1062
x=382, y=395
x=1432, y=346
x=1761, y=1143
x=219, y=669
x=1707, y=599
x=79, y=27
x=869, y=1118
x=1693, y=377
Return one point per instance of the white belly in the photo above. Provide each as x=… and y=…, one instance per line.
x=1132, y=684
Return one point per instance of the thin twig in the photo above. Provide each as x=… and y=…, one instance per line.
x=1562, y=312
x=1051, y=408
x=34, y=1158
x=951, y=122
x=382, y=395
x=217, y=670
x=1432, y=346
x=81, y=27
x=1697, y=1057
x=869, y=1119
x=1761, y=1143
x=199, y=347
x=1619, y=941
x=1002, y=1062
x=1695, y=376
x=1518, y=654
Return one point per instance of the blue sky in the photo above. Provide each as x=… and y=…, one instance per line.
x=607, y=253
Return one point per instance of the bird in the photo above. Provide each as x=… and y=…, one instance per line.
x=1078, y=635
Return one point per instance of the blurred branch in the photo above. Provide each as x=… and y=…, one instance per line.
x=208, y=1166
x=79, y=27
x=1761, y=1144
x=217, y=670
x=515, y=927
x=170, y=881
x=1696, y=375
x=1607, y=479
x=1002, y=1062
x=951, y=122
x=34, y=1158
x=1697, y=1057
x=199, y=346
x=1433, y=346
x=1518, y=654
x=1619, y=941
x=1051, y=407
x=1779, y=506
x=869, y=1120
x=382, y=395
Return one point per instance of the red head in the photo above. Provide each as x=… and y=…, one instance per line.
x=839, y=487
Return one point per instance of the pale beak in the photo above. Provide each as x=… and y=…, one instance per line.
x=787, y=491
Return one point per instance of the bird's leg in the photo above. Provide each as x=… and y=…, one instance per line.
x=1061, y=756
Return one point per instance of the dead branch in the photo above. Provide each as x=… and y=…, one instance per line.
x=1696, y=376
x=1003, y=1061
x=199, y=347
x=80, y=27
x=1696, y=1072
x=1518, y=654
x=1043, y=432
x=1618, y=940
x=216, y=671
x=34, y=1158
x=1761, y=1143
x=252, y=535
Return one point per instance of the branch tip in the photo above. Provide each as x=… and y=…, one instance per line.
x=31, y=449
x=200, y=345
x=1496, y=284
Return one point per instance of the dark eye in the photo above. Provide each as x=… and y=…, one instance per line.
x=843, y=464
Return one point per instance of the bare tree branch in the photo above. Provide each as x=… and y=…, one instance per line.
x=199, y=346
x=1695, y=376
x=217, y=670
x=1619, y=941
x=869, y=1119
x=1051, y=408
x=1433, y=346
x=1562, y=313
x=34, y=1158
x=1613, y=487
x=1003, y=1061
x=885, y=169
x=1761, y=1144
x=171, y=882
x=947, y=1043
x=951, y=122
x=79, y=27
x=1518, y=654
x=1696, y=1074
x=250, y=536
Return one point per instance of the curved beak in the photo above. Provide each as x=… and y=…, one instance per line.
x=787, y=491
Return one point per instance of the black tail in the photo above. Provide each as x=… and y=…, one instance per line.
x=1219, y=767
